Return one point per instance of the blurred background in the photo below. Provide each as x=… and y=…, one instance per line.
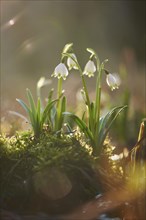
x=33, y=34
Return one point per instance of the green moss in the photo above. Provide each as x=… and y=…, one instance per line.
x=22, y=156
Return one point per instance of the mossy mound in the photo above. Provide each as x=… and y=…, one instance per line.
x=51, y=174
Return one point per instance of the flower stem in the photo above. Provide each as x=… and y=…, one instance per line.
x=91, y=124
x=97, y=104
x=58, y=116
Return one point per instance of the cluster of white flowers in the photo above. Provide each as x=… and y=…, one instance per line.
x=61, y=71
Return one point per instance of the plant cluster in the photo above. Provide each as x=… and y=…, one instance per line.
x=66, y=159
x=94, y=126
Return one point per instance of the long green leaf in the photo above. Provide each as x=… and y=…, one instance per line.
x=81, y=125
x=27, y=109
x=50, y=95
x=91, y=117
x=103, y=120
x=39, y=109
x=33, y=110
x=106, y=123
x=19, y=115
x=38, y=124
x=47, y=110
x=31, y=102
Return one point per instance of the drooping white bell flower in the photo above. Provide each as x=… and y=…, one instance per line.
x=113, y=81
x=60, y=71
x=117, y=78
x=89, y=69
x=71, y=63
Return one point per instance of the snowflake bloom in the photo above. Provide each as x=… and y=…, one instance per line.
x=89, y=69
x=60, y=71
x=71, y=63
x=113, y=81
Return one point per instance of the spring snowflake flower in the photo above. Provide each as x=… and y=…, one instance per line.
x=89, y=69
x=113, y=81
x=71, y=63
x=60, y=71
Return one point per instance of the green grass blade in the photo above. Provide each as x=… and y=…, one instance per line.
x=28, y=110
x=50, y=95
x=31, y=102
x=107, y=122
x=103, y=120
x=38, y=110
x=91, y=117
x=19, y=115
x=47, y=110
x=81, y=125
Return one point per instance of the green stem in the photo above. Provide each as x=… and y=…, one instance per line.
x=97, y=104
x=58, y=116
x=91, y=124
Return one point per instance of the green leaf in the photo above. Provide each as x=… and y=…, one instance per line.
x=63, y=104
x=83, y=116
x=19, y=115
x=106, y=122
x=47, y=110
x=38, y=111
x=81, y=125
x=31, y=102
x=50, y=95
x=33, y=108
x=91, y=117
x=27, y=109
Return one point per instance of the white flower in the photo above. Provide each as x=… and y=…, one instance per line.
x=89, y=69
x=113, y=81
x=60, y=71
x=70, y=62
